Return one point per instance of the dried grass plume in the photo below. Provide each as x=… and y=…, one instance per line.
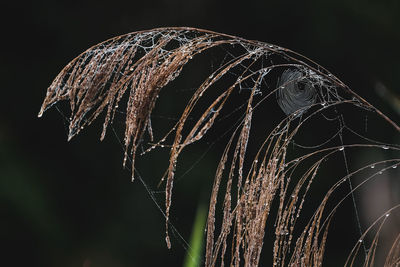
x=136, y=66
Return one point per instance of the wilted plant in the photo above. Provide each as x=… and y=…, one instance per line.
x=272, y=180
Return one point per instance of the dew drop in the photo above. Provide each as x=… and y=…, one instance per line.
x=385, y=147
x=341, y=149
x=168, y=242
x=387, y=214
x=284, y=232
x=131, y=69
x=394, y=167
x=372, y=166
x=360, y=241
x=380, y=172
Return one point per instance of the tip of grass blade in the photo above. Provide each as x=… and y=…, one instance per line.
x=194, y=253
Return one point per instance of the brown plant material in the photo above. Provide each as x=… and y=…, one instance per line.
x=140, y=64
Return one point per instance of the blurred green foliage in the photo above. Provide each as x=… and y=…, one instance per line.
x=194, y=255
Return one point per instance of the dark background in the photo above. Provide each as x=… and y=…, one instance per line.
x=68, y=204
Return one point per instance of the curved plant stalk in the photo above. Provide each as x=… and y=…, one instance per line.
x=138, y=65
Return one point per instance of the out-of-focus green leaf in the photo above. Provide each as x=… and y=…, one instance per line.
x=194, y=253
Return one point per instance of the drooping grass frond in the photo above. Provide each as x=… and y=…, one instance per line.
x=138, y=65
